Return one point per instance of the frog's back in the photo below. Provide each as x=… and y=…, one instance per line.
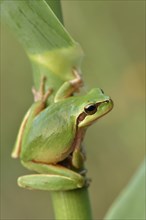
x=51, y=135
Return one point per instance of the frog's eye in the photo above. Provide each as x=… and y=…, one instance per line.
x=90, y=109
x=102, y=91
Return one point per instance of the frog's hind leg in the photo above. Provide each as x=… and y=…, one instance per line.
x=51, y=177
x=49, y=182
x=17, y=147
x=40, y=98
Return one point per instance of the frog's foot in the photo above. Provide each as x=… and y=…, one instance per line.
x=83, y=172
x=77, y=82
x=87, y=182
x=41, y=95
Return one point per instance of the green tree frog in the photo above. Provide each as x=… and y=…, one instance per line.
x=50, y=138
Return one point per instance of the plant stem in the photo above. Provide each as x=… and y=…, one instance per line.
x=72, y=205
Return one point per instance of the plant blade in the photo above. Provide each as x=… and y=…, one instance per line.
x=51, y=50
x=131, y=203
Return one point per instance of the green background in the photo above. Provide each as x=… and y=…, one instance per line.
x=112, y=35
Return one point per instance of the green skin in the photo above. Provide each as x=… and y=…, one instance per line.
x=49, y=139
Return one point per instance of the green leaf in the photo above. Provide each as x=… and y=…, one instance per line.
x=131, y=203
x=56, y=8
x=52, y=51
x=35, y=20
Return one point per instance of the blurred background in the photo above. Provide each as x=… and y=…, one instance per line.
x=112, y=35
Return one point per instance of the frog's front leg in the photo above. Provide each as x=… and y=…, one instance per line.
x=69, y=87
x=78, y=159
x=51, y=177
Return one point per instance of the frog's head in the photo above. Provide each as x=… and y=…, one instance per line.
x=96, y=105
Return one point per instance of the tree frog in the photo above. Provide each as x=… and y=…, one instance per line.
x=50, y=138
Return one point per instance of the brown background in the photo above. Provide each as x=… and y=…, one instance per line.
x=112, y=36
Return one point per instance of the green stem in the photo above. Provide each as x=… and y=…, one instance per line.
x=72, y=205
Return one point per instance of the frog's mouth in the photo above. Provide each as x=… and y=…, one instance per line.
x=102, y=108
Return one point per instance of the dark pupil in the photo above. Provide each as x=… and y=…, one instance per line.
x=90, y=109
